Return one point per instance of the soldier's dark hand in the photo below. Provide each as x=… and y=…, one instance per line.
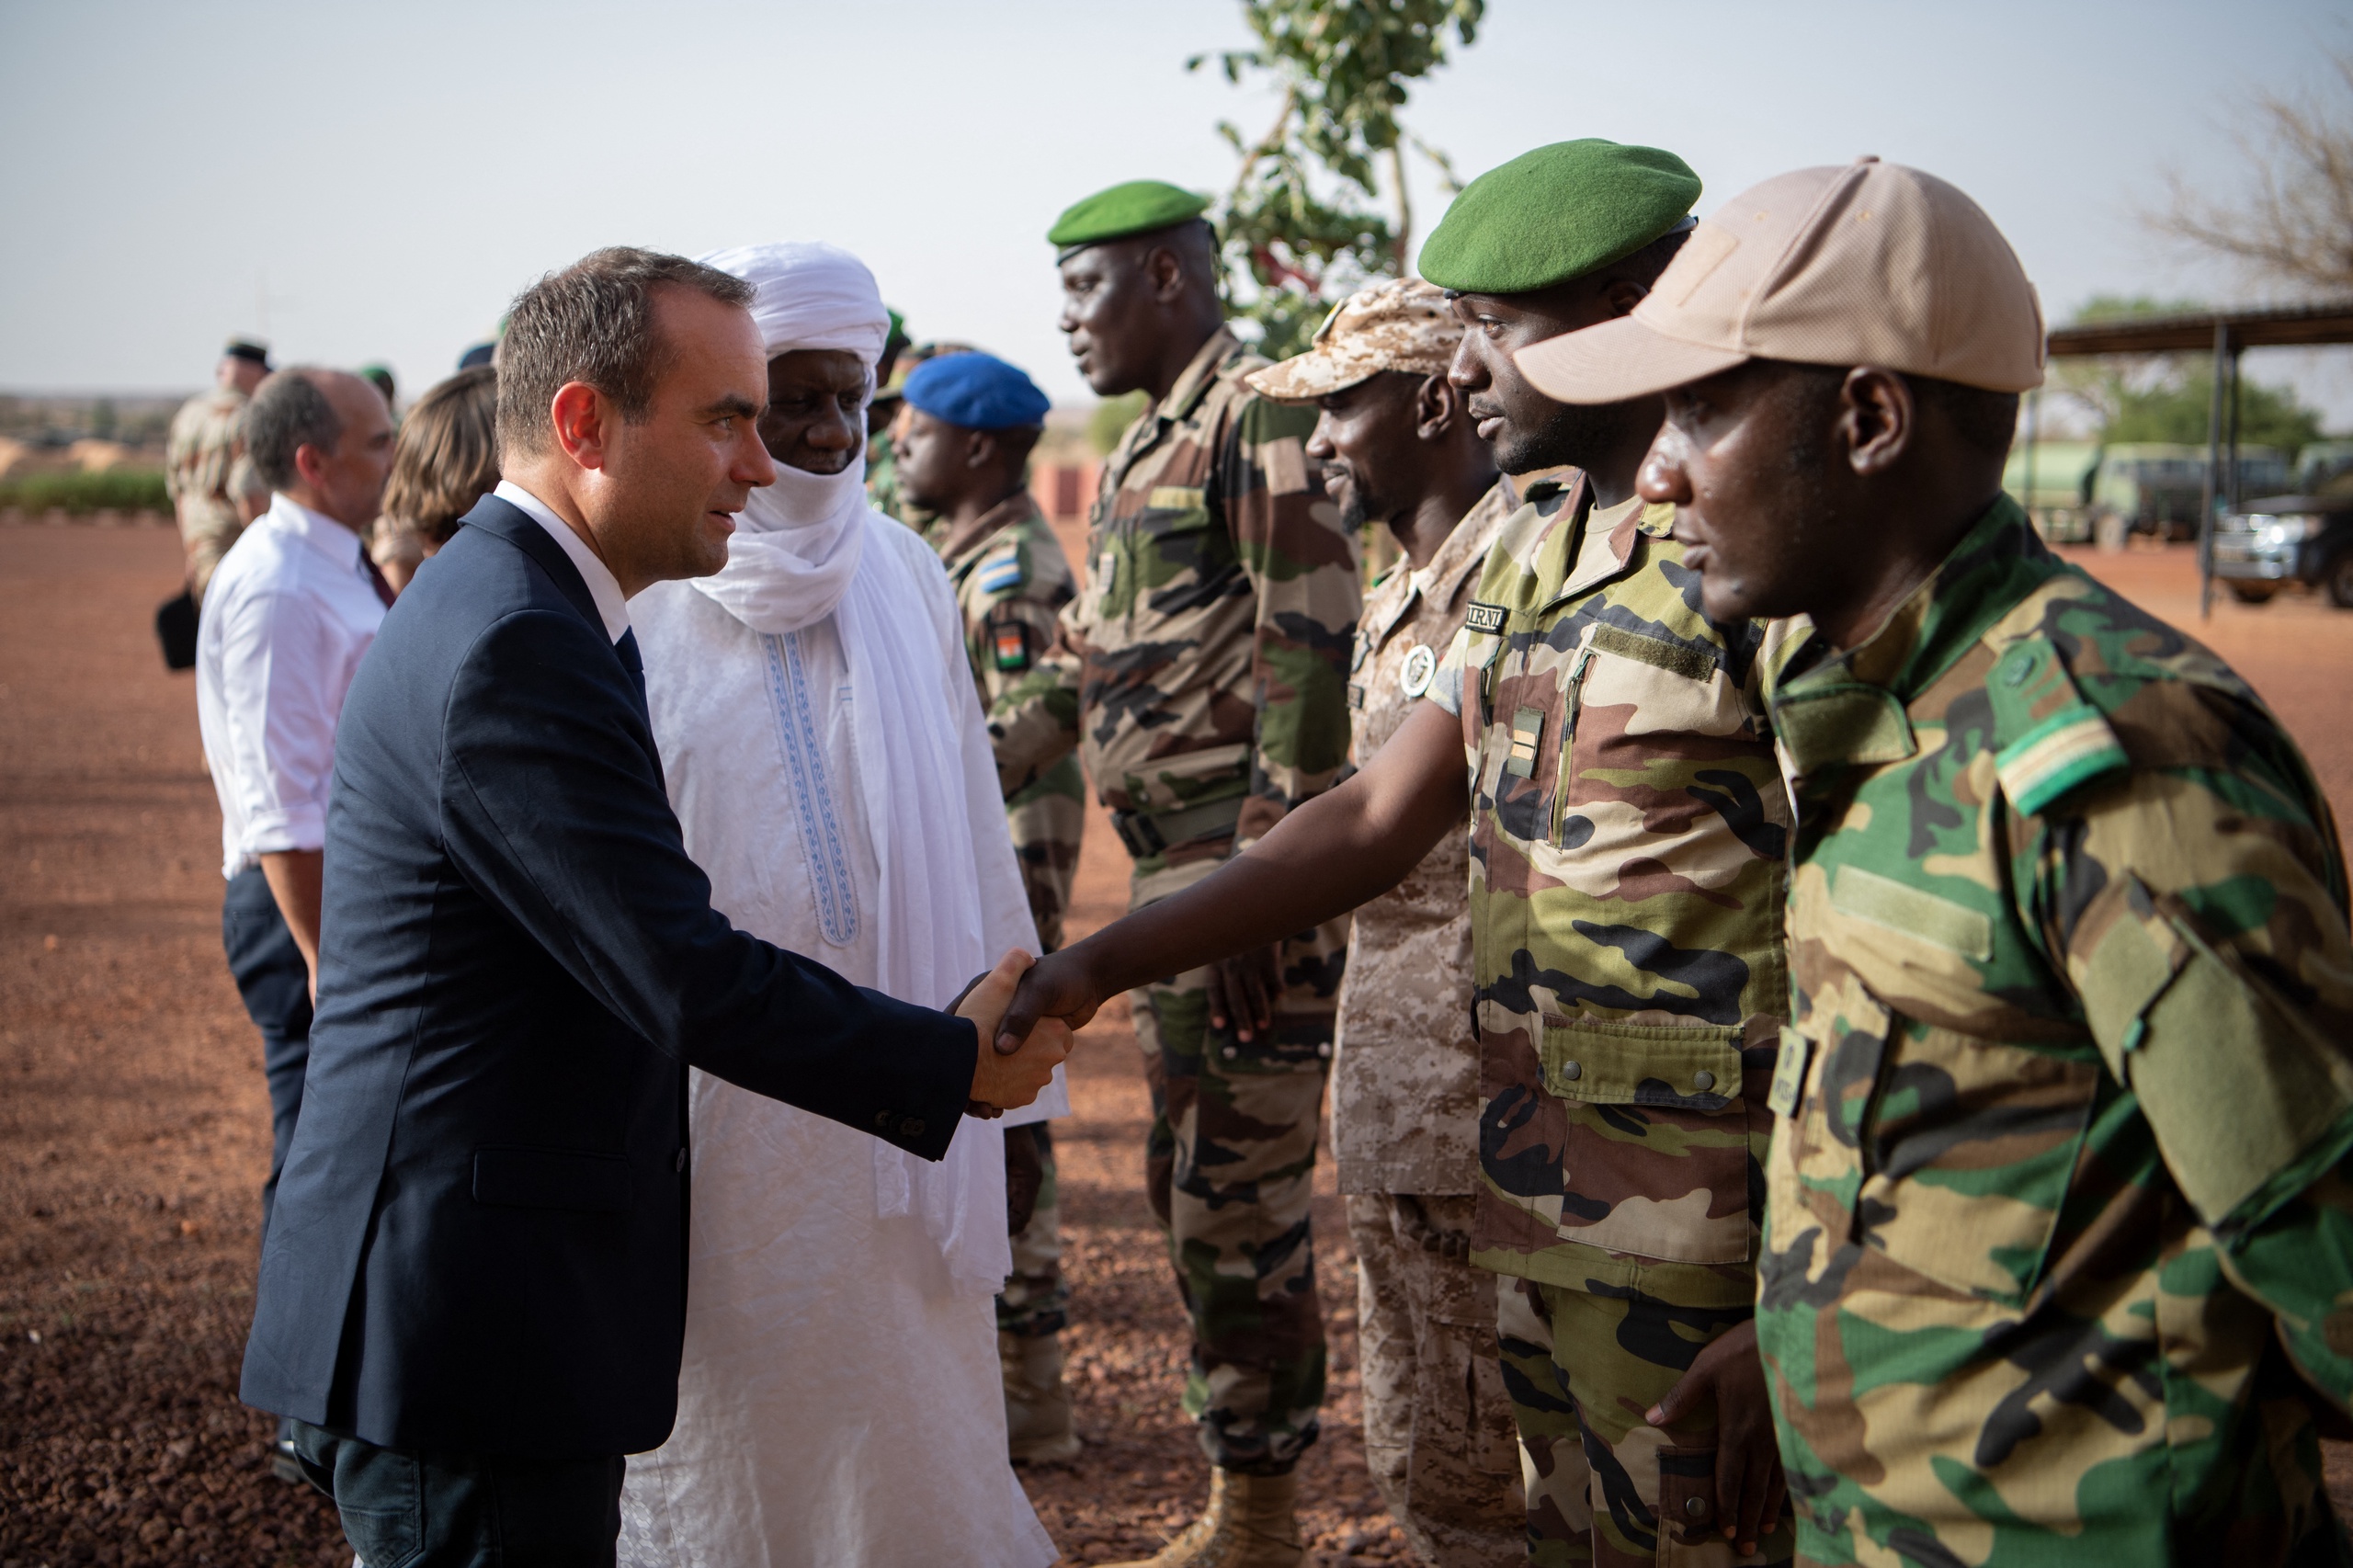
x=1751, y=1488
x=1057, y=986
x=1242, y=989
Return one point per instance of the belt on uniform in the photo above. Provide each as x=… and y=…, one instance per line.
x=1147, y=834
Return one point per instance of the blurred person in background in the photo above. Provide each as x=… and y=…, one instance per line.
x=381, y=377
x=292, y=608
x=963, y=445
x=830, y=768
x=883, y=422
x=207, y=435
x=444, y=460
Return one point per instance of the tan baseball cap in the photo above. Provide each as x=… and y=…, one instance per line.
x=1872, y=264
x=1405, y=325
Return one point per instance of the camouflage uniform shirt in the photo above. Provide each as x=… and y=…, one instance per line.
x=2068, y=1093
x=1011, y=583
x=1405, y=1079
x=1207, y=658
x=1628, y=825
x=208, y=434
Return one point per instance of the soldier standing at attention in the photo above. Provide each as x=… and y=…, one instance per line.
x=2059, y=1233
x=962, y=453
x=207, y=435
x=1628, y=822
x=1398, y=449
x=1202, y=675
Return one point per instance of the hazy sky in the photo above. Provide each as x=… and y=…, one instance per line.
x=377, y=182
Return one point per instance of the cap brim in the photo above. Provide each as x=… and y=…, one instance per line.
x=1304, y=378
x=1617, y=362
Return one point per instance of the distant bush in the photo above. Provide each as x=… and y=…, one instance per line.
x=118, y=490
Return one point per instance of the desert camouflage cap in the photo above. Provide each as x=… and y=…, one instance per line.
x=1405, y=325
x=1868, y=264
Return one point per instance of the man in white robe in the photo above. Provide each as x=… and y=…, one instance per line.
x=838, y=1401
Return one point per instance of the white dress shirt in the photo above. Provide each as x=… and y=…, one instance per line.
x=602, y=586
x=285, y=620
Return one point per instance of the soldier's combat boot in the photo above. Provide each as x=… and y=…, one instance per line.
x=1251, y=1523
x=1037, y=1407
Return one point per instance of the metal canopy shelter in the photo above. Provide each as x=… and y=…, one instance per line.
x=2225, y=334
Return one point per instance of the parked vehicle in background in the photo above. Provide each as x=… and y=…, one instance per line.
x=2150, y=487
x=2058, y=501
x=2287, y=538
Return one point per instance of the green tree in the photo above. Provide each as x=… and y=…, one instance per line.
x=1298, y=226
x=2166, y=397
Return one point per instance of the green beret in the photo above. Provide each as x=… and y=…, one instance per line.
x=1557, y=213
x=1136, y=208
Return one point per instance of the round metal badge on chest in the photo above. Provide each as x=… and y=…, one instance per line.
x=1420, y=667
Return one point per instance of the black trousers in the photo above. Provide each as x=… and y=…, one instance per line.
x=276, y=985
x=404, y=1510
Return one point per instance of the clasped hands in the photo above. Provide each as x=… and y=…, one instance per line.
x=1016, y=1072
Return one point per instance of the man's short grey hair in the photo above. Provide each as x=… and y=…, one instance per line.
x=593, y=323
x=288, y=411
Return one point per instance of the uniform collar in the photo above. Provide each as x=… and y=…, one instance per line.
x=1605, y=540
x=1460, y=556
x=1850, y=707
x=332, y=540
x=1200, y=372
x=1010, y=513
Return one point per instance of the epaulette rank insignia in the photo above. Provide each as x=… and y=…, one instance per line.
x=2052, y=740
x=1000, y=573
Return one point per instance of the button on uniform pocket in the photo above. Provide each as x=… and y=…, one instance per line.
x=1656, y=1150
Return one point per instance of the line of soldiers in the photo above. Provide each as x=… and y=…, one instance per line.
x=1907, y=988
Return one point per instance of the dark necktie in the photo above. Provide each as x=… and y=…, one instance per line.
x=627, y=649
x=376, y=579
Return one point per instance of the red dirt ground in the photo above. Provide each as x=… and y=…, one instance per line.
x=134, y=1130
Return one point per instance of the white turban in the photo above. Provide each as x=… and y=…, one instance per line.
x=798, y=541
x=811, y=295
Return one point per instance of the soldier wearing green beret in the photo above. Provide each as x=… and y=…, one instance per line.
x=1202, y=675
x=1627, y=824
x=2058, y=1263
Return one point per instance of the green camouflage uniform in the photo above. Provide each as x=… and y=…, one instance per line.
x=2059, y=1204
x=208, y=434
x=1203, y=676
x=1010, y=585
x=1628, y=825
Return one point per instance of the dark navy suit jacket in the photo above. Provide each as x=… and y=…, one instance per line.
x=479, y=1238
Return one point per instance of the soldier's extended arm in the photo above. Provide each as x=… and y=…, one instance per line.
x=2213, y=964
x=1331, y=854
x=1297, y=560
x=1035, y=723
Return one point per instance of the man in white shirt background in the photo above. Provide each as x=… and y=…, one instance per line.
x=290, y=610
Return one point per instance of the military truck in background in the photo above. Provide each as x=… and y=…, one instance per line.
x=2109, y=492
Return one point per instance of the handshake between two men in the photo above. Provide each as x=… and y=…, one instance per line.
x=1016, y=1072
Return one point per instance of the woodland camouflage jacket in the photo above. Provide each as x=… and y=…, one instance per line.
x=1628, y=825
x=2067, y=1094
x=1207, y=658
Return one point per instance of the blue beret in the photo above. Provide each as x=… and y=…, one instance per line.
x=976, y=392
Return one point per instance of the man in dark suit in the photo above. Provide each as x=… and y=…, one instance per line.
x=473, y=1287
